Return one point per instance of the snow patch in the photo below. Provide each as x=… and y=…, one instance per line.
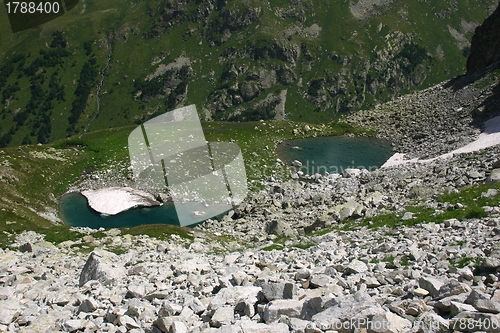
x=114, y=200
x=489, y=137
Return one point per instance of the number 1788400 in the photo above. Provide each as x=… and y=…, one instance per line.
x=15, y=7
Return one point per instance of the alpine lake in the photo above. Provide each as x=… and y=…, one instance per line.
x=316, y=155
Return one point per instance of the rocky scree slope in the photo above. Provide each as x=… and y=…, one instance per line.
x=439, y=276
x=424, y=278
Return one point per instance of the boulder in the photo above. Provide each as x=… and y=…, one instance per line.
x=103, y=267
x=280, y=229
x=350, y=208
x=276, y=308
x=277, y=290
x=494, y=177
x=222, y=316
x=431, y=284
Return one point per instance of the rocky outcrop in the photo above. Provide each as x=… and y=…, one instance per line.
x=485, y=46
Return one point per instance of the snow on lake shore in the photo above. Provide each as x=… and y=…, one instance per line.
x=489, y=137
x=114, y=200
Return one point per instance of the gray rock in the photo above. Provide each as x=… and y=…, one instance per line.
x=489, y=193
x=127, y=322
x=277, y=290
x=302, y=274
x=488, y=306
x=494, y=177
x=88, y=305
x=73, y=325
x=280, y=229
x=482, y=302
x=135, y=291
x=289, y=308
x=431, y=284
x=350, y=208
x=320, y=281
x=178, y=327
x=430, y=322
x=6, y=293
x=407, y=216
x=444, y=304
x=346, y=309
x=453, y=287
x=100, y=267
x=490, y=264
x=26, y=247
x=351, y=173
x=475, y=174
x=456, y=308
x=164, y=324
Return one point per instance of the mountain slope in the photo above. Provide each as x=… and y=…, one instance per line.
x=109, y=63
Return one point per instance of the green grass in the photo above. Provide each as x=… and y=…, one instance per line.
x=465, y=261
x=273, y=247
x=95, y=21
x=304, y=246
x=38, y=175
x=489, y=79
x=160, y=231
x=470, y=197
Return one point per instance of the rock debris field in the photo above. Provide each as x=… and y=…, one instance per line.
x=285, y=263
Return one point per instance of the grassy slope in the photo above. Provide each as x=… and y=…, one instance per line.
x=32, y=178
x=95, y=21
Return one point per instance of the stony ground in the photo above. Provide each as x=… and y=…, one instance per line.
x=404, y=279
x=429, y=277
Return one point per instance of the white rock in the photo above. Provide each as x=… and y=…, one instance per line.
x=128, y=322
x=389, y=323
x=223, y=316
x=430, y=322
x=274, y=309
x=74, y=325
x=357, y=266
x=9, y=309
x=178, y=327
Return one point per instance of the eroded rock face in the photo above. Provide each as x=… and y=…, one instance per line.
x=485, y=46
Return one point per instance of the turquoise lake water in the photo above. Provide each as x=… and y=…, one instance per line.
x=330, y=154
x=76, y=212
x=334, y=154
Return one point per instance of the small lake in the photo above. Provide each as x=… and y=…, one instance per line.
x=76, y=212
x=335, y=153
